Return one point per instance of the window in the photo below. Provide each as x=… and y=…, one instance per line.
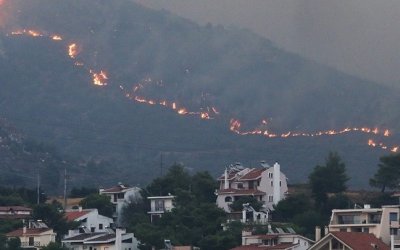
x=159, y=205
x=392, y=216
x=228, y=199
x=251, y=184
x=270, y=198
x=31, y=241
x=100, y=226
x=270, y=175
x=240, y=185
x=120, y=195
x=92, y=229
x=280, y=183
x=272, y=183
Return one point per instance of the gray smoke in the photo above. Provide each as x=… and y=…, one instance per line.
x=360, y=37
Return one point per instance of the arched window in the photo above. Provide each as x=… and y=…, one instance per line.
x=228, y=199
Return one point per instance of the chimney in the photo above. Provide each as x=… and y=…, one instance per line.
x=80, y=209
x=226, y=183
x=317, y=233
x=277, y=186
x=326, y=230
x=118, y=238
x=24, y=229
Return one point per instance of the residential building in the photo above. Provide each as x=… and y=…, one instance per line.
x=118, y=240
x=90, y=220
x=349, y=241
x=35, y=236
x=281, y=240
x=382, y=222
x=120, y=196
x=267, y=184
x=159, y=205
x=15, y=212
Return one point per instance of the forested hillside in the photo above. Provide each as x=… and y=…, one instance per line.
x=128, y=125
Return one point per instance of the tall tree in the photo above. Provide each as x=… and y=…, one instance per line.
x=388, y=174
x=328, y=178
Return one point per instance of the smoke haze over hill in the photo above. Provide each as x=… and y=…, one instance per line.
x=357, y=36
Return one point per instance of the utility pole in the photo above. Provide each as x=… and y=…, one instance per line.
x=38, y=189
x=161, y=165
x=65, y=188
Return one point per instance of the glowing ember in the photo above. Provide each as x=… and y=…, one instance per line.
x=56, y=38
x=72, y=50
x=99, y=79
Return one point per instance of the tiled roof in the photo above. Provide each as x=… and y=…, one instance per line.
x=280, y=246
x=253, y=174
x=250, y=247
x=14, y=216
x=230, y=175
x=360, y=241
x=241, y=191
x=29, y=231
x=102, y=238
x=15, y=208
x=82, y=237
x=73, y=215
x=116, y=189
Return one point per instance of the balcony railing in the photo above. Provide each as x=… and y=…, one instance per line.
x=30, y=244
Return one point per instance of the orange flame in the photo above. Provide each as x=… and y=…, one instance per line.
x=100, y=78
x=72, y=50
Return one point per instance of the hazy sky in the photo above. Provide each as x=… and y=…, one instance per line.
x=361, y=37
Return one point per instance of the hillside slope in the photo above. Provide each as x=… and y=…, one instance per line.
x=245, y=77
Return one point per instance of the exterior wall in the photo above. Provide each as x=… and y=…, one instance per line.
x=168, y=204
x=94, y=220
x=221, y=202
x=39, y=240
x=267, y=185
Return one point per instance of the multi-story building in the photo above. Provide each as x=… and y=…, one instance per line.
x=159, y=205
x=282, y=241
x=382, y=222
x=267, y=184
x=120, y=196
x=90, y=220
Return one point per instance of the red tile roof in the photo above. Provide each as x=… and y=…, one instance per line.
x=281, y=246
x=15, y=208
x=116, y=189
x=241, y=191
x=73, y=215
x=250, y=247
x=230, y=175
x=253, y=174
x=360, y=241
x=29, y=231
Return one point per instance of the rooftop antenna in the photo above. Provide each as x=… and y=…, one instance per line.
x=65, y=188
x=38, y=189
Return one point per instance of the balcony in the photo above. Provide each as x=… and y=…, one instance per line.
x=30, y=244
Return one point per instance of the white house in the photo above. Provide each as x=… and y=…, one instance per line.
x=266, y=184
x=159, y=205
x=382, y=222
x=121, y=196
x=282, y=241
x=118, y=240
x=90, y=220
x=35, y=236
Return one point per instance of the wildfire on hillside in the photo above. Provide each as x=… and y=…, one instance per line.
x=101, y=78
